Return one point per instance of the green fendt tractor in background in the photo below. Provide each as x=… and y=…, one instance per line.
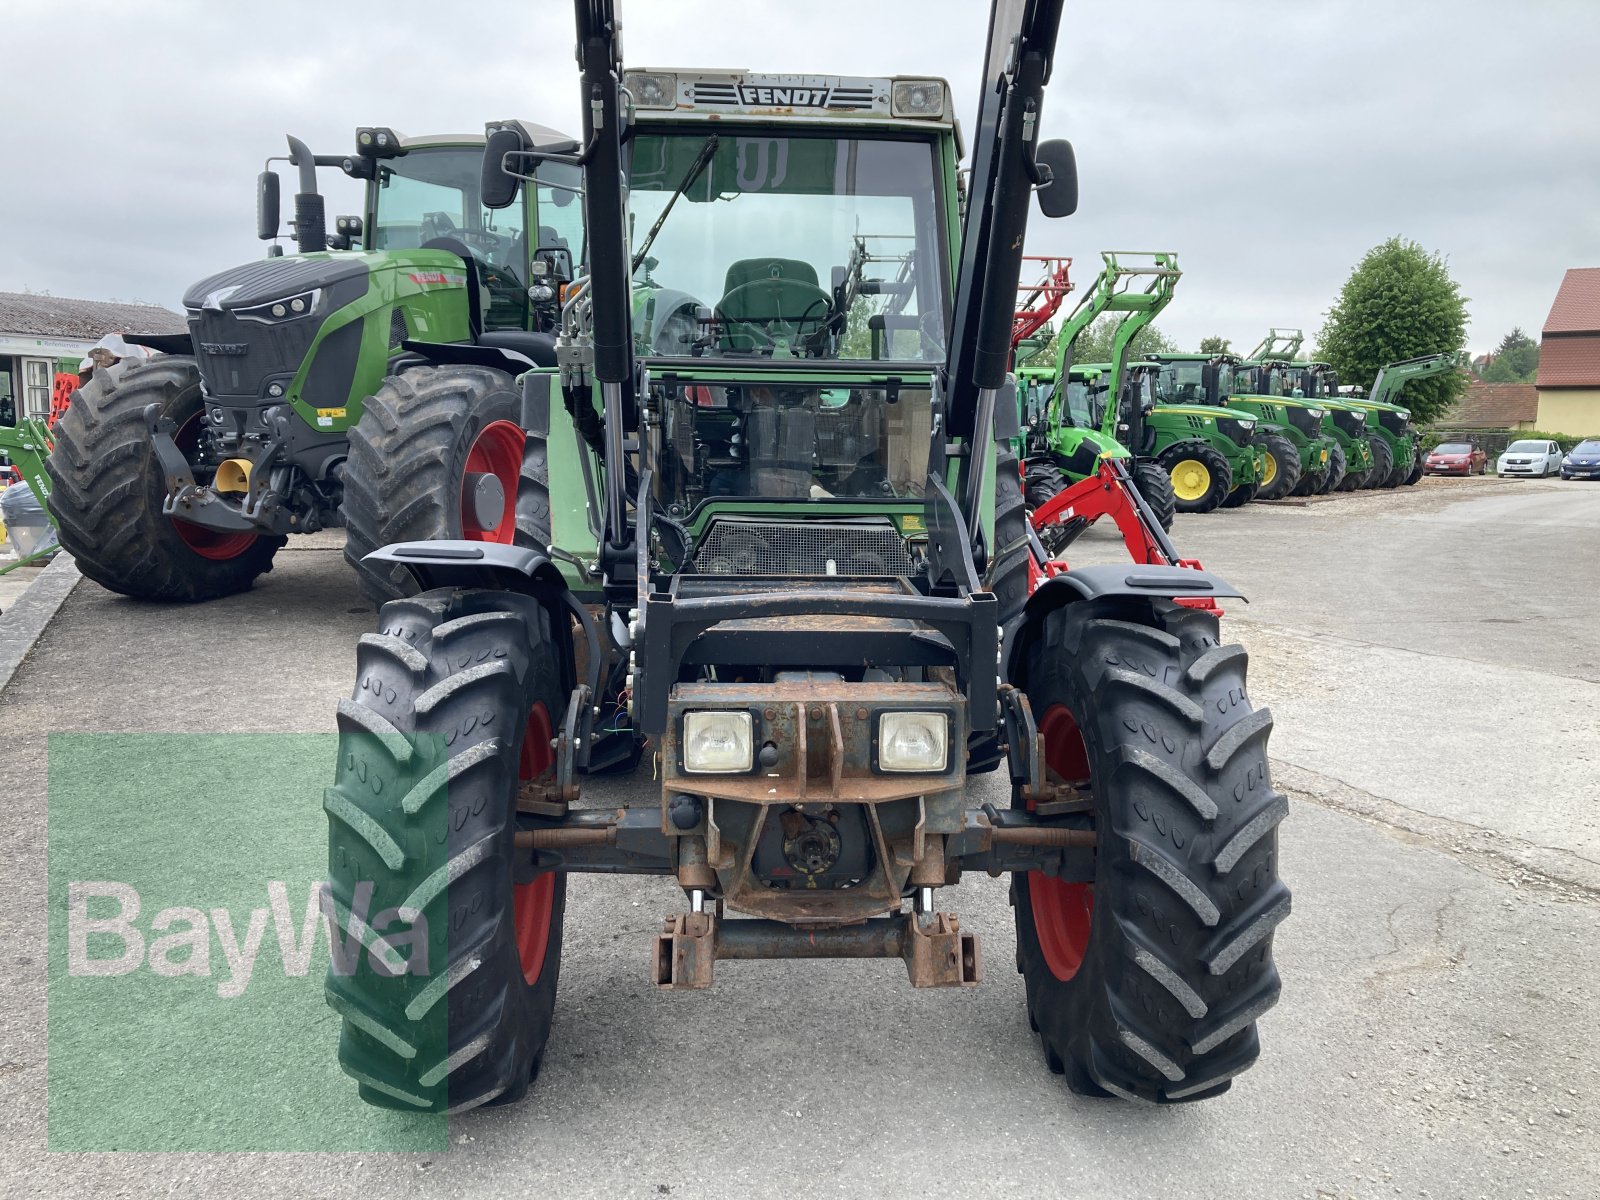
x=179, y=477
x=810, y=543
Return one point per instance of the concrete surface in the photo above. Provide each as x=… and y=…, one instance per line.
x=1436, y=1032
x=29, y=609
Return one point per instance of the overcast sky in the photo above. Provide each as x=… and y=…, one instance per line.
x=1268, y=143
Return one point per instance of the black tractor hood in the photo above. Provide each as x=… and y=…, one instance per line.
x=262, y=282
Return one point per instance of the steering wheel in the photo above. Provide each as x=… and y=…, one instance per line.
x=767, y=301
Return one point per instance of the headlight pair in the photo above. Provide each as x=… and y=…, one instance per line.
x=723, y=743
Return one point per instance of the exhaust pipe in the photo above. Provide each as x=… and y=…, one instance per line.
x=233, y=477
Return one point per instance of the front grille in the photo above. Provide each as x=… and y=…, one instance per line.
x=1302, y=419
x=1235, y=431
x=1353, y=424
x=850, y=548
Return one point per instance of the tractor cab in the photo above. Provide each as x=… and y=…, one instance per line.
x=427, y=197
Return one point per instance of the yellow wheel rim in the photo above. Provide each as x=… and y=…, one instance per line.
x=1270, y=471
x=1190, y=479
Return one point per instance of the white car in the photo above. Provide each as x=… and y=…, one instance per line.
x=1530, y=458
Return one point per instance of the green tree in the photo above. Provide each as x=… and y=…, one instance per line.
x=1398, y=303
x=1215, y=345
x=1516, y=360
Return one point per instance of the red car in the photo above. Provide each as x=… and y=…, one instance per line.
x=1456, y=458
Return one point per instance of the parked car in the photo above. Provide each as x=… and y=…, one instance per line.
x=1583, y=462
x=1536, y=458
x=1456, y=458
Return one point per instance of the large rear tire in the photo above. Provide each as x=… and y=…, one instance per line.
x=419, y=438
x=1283, y=471
x=1147, y=983
x=1201, y=477
x=108, y=488
x=455, y=702
x=1382, y=463
x=1155, y=485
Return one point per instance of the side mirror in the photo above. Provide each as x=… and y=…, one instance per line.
x=267, y=205
x=497, y=188
x=1058, y=178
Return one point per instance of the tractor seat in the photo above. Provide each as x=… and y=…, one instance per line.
x=761, y=290
x=540, y=347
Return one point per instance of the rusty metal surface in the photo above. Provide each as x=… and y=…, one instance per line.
x=684, y=952
x=935, y=950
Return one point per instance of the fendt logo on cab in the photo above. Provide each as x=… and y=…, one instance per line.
x=788, y=97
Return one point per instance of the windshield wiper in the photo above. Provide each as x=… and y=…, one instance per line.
x=698, y=165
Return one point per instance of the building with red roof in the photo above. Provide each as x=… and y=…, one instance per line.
x=1569, y=357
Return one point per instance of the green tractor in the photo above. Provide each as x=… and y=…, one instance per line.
x=325, y=388
x=1287, y=433
x=1209, y=457
x=779, y=472
x=1072, y=428
x=1392, y=422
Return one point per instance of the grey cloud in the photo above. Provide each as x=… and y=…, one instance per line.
x=1270, y=145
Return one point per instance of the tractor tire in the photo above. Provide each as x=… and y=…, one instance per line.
x=1413, y=475
x=1242, y=495
x=410, y=454
x=455, y=704
x=1155, y=485
x=1041, y=483
x=1147, y=983
x=1309, y=483
x=1283, y=471
x=1335, y=473
x=1397, y=474
x=108, y=488
x=1353, y=480
x=1201, y=477
x=1382, y=463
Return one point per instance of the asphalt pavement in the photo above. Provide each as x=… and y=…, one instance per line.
x=1433, y=661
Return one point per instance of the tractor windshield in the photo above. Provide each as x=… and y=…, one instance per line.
x=800, y=247
x=428, y=198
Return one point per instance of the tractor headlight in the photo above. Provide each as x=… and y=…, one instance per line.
x=917, y=98
x=652, y=90
x=718, y=743
x=913, y=741
x=288, y=309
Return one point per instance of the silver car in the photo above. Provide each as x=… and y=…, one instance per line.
x=1536, y=458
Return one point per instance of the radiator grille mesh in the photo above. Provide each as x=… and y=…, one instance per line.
x=803, y=548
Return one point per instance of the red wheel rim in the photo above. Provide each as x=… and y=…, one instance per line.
x=1062, y=912
x=497, y=451
x=532, y=903
x=214, y=544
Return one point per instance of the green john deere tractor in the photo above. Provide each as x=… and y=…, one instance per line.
x=778, y=470
x=1288, y=433
x=1392, y=422
x=177, y=478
